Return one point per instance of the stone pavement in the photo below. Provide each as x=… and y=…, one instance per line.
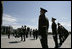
x=30, y=42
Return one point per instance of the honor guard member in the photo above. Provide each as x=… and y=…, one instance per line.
x=60, y=33
x=63, y=34
x=43, y=26
x=54, y=32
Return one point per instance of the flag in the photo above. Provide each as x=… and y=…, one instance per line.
x=65, y=34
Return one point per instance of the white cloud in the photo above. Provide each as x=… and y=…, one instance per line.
x=34, y=20
x=8, y=18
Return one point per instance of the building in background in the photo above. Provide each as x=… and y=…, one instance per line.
x=4, y=29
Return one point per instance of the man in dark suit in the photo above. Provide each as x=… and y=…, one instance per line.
x=54, y=32
x=43, y=26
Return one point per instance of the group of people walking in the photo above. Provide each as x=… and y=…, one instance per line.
x=23, y=32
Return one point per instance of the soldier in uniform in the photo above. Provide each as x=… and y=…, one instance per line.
x=33, y=33
x=43, y=26
x=24, y=32
x=36, y=33
x=21, y=33
x=9, y=32
x=30, y=32
x=54, y=32
x=60, y=33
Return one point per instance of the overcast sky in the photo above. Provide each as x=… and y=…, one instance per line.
x=18, y=13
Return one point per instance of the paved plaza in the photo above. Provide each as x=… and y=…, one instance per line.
x=30, y=42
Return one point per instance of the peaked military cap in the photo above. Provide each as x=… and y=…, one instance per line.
x=58, y=23
x=43, y=9
x=53, y=18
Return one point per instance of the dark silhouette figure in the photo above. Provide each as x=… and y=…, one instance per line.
x=28, y=29
x=60, y=34
x=24, y=32
x=9, y=32
x=63, y=34
x=21, y=33
x=34, y=34
x=30, y=32
x=15, y=31
x=18, y=34
x=43, y=26
x=1, y=13
x=54, y=32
